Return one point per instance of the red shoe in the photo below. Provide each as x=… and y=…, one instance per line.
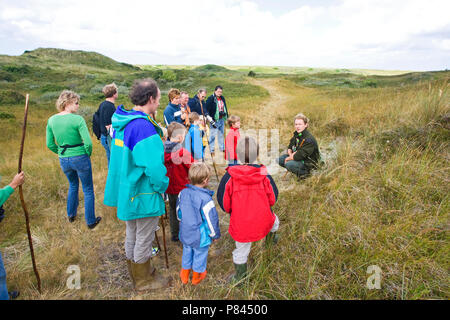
x=184, y=275
x=198, y=277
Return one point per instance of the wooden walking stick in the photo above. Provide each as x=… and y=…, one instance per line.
x=164, y=238
x=206, y=132
x=27, y=220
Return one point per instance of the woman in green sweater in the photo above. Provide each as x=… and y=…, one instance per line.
x=68, y=137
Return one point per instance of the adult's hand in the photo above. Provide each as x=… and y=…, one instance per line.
x=18, y=180
x=290, y=158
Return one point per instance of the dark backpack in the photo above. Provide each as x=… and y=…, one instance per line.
x=96, y=124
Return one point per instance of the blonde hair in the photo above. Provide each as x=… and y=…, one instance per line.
x=233, y=119
x=109, y=90
x=199, y=172
x=175, y=128
x=173, y=93
x=247, y=150
x=302, y=117
x=193, y=116
x=66, y=97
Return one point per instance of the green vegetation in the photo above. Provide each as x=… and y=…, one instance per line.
x=381, y=197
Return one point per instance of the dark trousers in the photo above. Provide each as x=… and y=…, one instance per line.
x=174, y=223
x=296, y=167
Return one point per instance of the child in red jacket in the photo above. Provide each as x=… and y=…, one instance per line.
x=232, y=138
x=177, y=161
x=248, y=192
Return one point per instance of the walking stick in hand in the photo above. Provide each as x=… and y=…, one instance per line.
x=164, y=238
x=27, y=220
x=212, y=158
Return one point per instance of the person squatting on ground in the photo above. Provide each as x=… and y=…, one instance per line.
x=217, y=109
x=303, y=151
x=177, y=161
x=232, y=138
x=137, y=179
x=194, y=140
x=5, y=193
x=68, y=136
x=248, y=192
x=106, y=111
x=173, y=110
x=199, y=223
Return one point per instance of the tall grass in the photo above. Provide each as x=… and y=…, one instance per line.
x=381, y=198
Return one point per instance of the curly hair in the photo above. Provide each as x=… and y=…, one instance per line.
x=65, y=98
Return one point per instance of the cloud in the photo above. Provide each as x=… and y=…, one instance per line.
x=345, y=33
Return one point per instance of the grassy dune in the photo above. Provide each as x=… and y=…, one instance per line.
x=381, y=197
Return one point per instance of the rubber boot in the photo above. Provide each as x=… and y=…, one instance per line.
x=198, y=277
x=146, y=277
x=271, y=238
x=184, y=275
x=241, y=272
x=131, y=272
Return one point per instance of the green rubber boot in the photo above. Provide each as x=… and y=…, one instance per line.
x=241, y=272
x=271, y=239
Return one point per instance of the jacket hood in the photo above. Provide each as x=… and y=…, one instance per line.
x=191, y=187
x=170, y=146
x=122, y=117
x=248, y=174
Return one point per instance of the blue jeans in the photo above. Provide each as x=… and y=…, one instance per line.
x=106, y=143
x=217, y=131
x=3, y=289
x=194, y=258
x=232, y=162
x=296, y=167
x=74, y=168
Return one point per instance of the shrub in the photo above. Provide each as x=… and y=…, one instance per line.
x=252, y=74
x=169, y=75
x=11, y=97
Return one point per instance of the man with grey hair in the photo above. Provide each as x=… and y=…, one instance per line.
x=196, y=103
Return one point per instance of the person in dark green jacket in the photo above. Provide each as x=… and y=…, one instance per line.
x=303, y=151
x=137, y=180
x=68, y=137
x=18, y=180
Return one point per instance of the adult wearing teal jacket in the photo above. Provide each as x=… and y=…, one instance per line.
x=137, y=179
x=18, y=180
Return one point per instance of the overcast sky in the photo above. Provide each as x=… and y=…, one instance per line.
x=394, y=35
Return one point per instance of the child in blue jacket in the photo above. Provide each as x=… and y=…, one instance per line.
x=194, y=140
x=199, y=223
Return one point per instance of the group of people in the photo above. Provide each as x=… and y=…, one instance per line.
x=147, y=162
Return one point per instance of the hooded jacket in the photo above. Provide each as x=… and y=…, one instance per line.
x=247, y=192
x=231, y=143
x=194, y=141
x=199, y=222
x=137, y=175
x=177, y=161
x=306, y=148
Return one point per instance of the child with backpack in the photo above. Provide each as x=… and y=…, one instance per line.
x=247, y=192
x=199, y=223
x=177, y=161
x=232, y=138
